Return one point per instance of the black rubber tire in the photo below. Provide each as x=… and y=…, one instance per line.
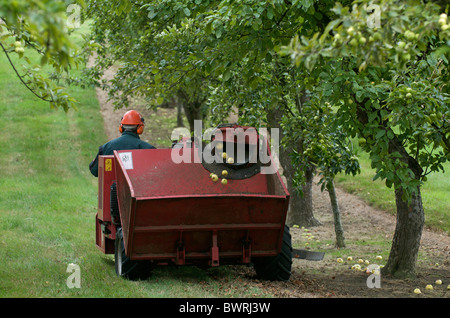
x=276, y=268
x=124, y=266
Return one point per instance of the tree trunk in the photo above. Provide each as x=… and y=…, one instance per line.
x=300, y=205
x=406, y=241
x=179, y=114
x=193, y=112
x=338, y=229
x=410, y=215
x=192, y=108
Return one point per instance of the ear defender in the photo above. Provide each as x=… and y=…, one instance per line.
x=121, y=126
x=141, y=126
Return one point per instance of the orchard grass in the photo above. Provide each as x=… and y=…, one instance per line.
x=435, y=193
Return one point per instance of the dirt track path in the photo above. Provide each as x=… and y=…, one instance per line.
x=360, y=221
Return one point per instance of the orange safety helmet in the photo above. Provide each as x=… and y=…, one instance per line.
x=132, y=118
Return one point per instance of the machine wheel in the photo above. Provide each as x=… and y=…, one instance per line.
x=277, y=267
x=125, y=267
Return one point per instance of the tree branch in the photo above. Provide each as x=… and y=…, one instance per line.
x=20, y=77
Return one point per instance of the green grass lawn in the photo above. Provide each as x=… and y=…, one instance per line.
x=435, y=193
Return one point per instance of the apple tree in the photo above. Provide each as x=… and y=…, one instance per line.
x=40, y=26
x=156, y=48
x=390, y=85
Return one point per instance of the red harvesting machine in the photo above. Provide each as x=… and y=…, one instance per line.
x=156, y=209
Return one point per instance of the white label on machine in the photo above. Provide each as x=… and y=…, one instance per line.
x=127, y=160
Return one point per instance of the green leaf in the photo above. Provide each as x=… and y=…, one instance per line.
x=152, y=14
x=269, y=13
x=160, y=100
x=380, y=133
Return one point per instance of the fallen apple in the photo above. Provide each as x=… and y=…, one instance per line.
x=379, y=258
x=417, y=291
x=339, y=260
x=214, y=178
x=224, y=155
x=224, y=181
x=230, y=160
x=225, y=173
x=438, y=282
x=429, y=287
x=349, y=258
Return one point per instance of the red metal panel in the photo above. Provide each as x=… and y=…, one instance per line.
x=126, y=206
x=106, y=177
x=154, y=174
x=163, y=204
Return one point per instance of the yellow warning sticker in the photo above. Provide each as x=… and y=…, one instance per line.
x=108, y=165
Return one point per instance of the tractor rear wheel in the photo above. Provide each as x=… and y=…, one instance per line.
x=277, y=267
x=126, y=267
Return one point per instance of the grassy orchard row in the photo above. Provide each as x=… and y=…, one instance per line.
x=434, y=192
x=47, y=196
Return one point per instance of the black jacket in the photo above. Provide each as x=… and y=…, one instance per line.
x=127, y=141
